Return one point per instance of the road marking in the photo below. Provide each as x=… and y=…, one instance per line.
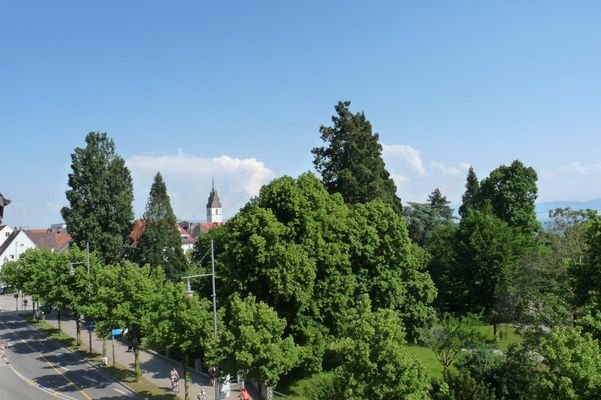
x=84, y=394
x=87, y=378
x=42, y=388
x=120, y=391
x=65, y=368
x=45, y=389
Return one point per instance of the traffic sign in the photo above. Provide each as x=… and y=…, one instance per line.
x=117, y=332
x=90, y=326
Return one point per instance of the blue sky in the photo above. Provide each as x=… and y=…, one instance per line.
x=237, y=90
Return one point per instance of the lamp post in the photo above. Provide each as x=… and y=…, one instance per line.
x=189, y=293
x=72, y=272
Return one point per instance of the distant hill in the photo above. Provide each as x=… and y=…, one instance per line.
x=543, y=208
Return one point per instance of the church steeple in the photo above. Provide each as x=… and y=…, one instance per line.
x=214, y=210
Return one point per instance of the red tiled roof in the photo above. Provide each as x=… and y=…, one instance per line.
x=49, y=239
x=138, y=228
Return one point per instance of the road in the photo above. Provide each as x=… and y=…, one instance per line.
x=38, y=368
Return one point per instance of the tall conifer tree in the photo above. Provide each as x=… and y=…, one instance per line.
x=471, y=192
x=100, y=198
x=160, y=243
x=440, y=204
x=351, y=162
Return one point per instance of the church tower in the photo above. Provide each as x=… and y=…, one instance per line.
x=214, y=211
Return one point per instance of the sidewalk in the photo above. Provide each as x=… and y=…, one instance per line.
x=155, y=367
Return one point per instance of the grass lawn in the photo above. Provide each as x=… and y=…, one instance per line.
x=427, y=358
x=506, y=335
x=119, y=372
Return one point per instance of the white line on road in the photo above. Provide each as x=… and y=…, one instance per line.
x=87, y=378
x=64, y=368
x=120, y=391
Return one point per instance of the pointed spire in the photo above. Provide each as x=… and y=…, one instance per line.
x=212, y=184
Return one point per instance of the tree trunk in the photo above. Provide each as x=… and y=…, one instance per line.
x=78, y=332
x=186, y=378
x=59, y=320
x=103, y=347
x=137, y=371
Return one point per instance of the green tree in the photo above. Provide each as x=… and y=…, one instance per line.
x=422, y=220
x=440, y=204
x=351, y=162
x=425, y=218
x=287, y=247
x=126, y=295
x=444, y=269
x=374, y=363
x=159, y=243
x=587, y=275
x=252, y=343
x=100, y=198
x=182, y=325
x=512, y=191
x=485, y=247
x=469, y=198
x=571, y=361
x=388, y=267
x=451, y=336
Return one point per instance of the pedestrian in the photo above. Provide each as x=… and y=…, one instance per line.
x=202, y=395
x=212, y=375
x=244, y=394
x=174, y=377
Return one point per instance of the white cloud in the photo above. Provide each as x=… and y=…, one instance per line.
x=406, y=153
x=575, y=181
x=583, y=169
x=446, y=170
x=188, y=180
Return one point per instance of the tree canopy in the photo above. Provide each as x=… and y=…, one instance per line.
x=100, y=198
x=512, y=191
x=351, y=161
x=159, y=243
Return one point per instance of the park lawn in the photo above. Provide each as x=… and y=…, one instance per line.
x=428, y=359
x=506, y=336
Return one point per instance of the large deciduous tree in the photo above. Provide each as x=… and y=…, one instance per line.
x=351, y=162
x=511, y=191
x=388, y=267
x=485, y=247
x=252, y=343
x=100, y=198
x=375, y=364
x=127, y=295
x=572, y=361
x=182, y=325
x=159, y=243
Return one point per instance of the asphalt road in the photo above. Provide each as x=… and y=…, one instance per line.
x=38, y=368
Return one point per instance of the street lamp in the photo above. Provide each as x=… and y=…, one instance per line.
x=189, y=293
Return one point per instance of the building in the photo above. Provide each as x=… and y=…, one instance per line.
x=214, y=217
x=13, y=243
x=53, y=239
x=214, y=210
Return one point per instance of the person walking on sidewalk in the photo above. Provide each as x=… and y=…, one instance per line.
x=174, y=378
x=202, y=395
x=244, y=394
